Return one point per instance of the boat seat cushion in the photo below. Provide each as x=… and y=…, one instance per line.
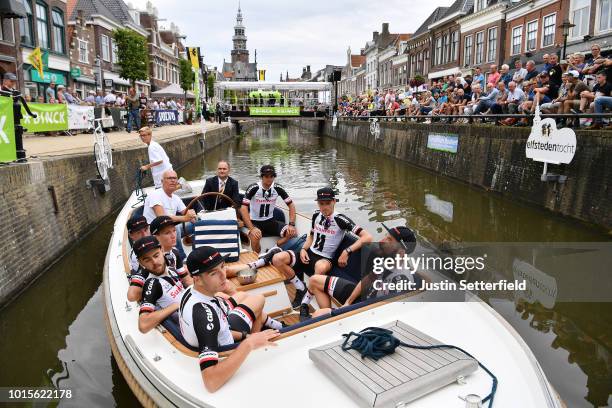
x=218, y=229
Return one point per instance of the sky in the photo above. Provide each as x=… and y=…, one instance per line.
x=289, y=34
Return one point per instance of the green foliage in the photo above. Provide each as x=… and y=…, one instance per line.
x=210, y=83
x=186, y=75
x=132, y=55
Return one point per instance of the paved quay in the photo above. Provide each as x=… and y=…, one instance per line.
x=38, y=146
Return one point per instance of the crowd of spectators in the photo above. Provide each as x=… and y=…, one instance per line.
x=572, y=86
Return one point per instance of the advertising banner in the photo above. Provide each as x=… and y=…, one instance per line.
x=274, y=111
x=548, y=144
x=8, y=150
x=50, y=117
x=79, y=116
x=165, y=117
x=444, y=142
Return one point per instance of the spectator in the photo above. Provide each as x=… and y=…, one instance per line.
x=110, y=98
x=120, y=101
x=494, y=75
x=500, y=99
x=546, y=91
x=555, y=71
x=99, y=98
x=506, y=76
x=133, y=110
x=60, y=94
x=557, y=104
x=592, y=66
x=603, y=98
x=50, y=92
x=70, y=98
x=487, y=100
x=40, y=99
x=471, y=105
x=519, y=73
x=514, y=97
x=601, y=88
x=532, y=72
x=575, y=88
x=91, y=98
x=478, y=78
x=578, y=64
x=546, y=61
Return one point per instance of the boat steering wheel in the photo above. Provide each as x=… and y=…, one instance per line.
x=188, y=239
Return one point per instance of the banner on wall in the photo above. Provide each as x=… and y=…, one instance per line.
x=50, y=117
x=79, y=117
x=166, y=117
x=444, y=142
x=8, y=149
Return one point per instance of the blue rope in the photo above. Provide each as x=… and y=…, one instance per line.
x=138, y=187
x=376, y=342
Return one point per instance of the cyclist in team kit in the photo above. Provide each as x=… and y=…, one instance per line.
x=327, y=231
x=258, y=207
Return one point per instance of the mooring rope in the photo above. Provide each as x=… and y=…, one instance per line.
x=376, y=342
x=140, y=194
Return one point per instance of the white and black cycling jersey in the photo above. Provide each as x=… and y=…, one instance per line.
x=328, y=232
x=173, y=259
x=162, y=291
x=262, y=202
x=203, y=321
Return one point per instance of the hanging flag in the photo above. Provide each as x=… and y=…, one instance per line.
x=262, y=74
x=35, y=59
x=193, y=57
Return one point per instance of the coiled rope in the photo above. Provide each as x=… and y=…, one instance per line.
x=140, y=194
x=376, y=342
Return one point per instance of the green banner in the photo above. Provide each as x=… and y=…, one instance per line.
x=274, y=111
x=50, y=117
x=196, y=92
x=8, y=150
x=59, y=79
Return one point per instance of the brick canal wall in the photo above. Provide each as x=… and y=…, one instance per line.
x=494, y=158
x=34, y=234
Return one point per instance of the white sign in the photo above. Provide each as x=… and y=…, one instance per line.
x=548, y=144
x=79, y=117
x=541, y=287
x=335, y=120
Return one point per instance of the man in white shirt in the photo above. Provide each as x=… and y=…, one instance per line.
x=158, y=159
x=110, y=98
x=519, y=73
x=163, y=201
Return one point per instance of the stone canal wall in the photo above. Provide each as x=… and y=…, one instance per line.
x=46, y=207
x=494, y=158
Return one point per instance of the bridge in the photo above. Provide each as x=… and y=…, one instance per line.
x=274, y=100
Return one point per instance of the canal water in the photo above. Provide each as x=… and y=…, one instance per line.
x=54, y=332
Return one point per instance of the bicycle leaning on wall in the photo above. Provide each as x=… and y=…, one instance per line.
x=103, y=153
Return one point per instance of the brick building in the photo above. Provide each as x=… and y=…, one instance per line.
x=44, y=27
x=165, y=49
x=593, y=20
x=445, y=40
x=483, y=36
x=419, y=45
x=81, y=37
x=532, y=29
x=9, y=39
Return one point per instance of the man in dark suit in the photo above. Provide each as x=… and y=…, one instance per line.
x=221, y=183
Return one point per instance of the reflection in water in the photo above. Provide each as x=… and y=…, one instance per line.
x=57, y=323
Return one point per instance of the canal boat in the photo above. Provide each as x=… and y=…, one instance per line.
x=308, y=367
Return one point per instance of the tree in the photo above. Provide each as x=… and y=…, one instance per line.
x=186, y=75
x=132, y=55
x=210, y=83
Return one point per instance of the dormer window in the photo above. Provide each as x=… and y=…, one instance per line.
x=480, y=5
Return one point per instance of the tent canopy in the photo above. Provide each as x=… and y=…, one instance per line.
x=172, y=91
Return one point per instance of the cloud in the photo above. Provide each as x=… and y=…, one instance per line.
x=289, y=34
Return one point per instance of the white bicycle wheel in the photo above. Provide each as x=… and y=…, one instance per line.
x=108, y=151
x=101, y=163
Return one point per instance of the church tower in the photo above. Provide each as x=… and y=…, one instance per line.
x=240, y=52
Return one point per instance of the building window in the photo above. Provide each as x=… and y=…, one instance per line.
x=532, y=35
x=480, y=5
x=446, y=44
x=115, y=57
x=467, y=53
x=105, y=47
x=517, y=40
x=7, y=32
x=579, y=13
x=83, y=52
x=26, y=24
x=58, y=31
x=605, y=15
x=479, y=48
x=438, y=51
x=548, y=30
x=42, y=26
x=492, y=45
x=454, y=45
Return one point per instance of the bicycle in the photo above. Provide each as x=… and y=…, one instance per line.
x=103, y=153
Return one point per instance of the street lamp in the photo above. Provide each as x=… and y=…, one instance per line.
x=565, y=26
